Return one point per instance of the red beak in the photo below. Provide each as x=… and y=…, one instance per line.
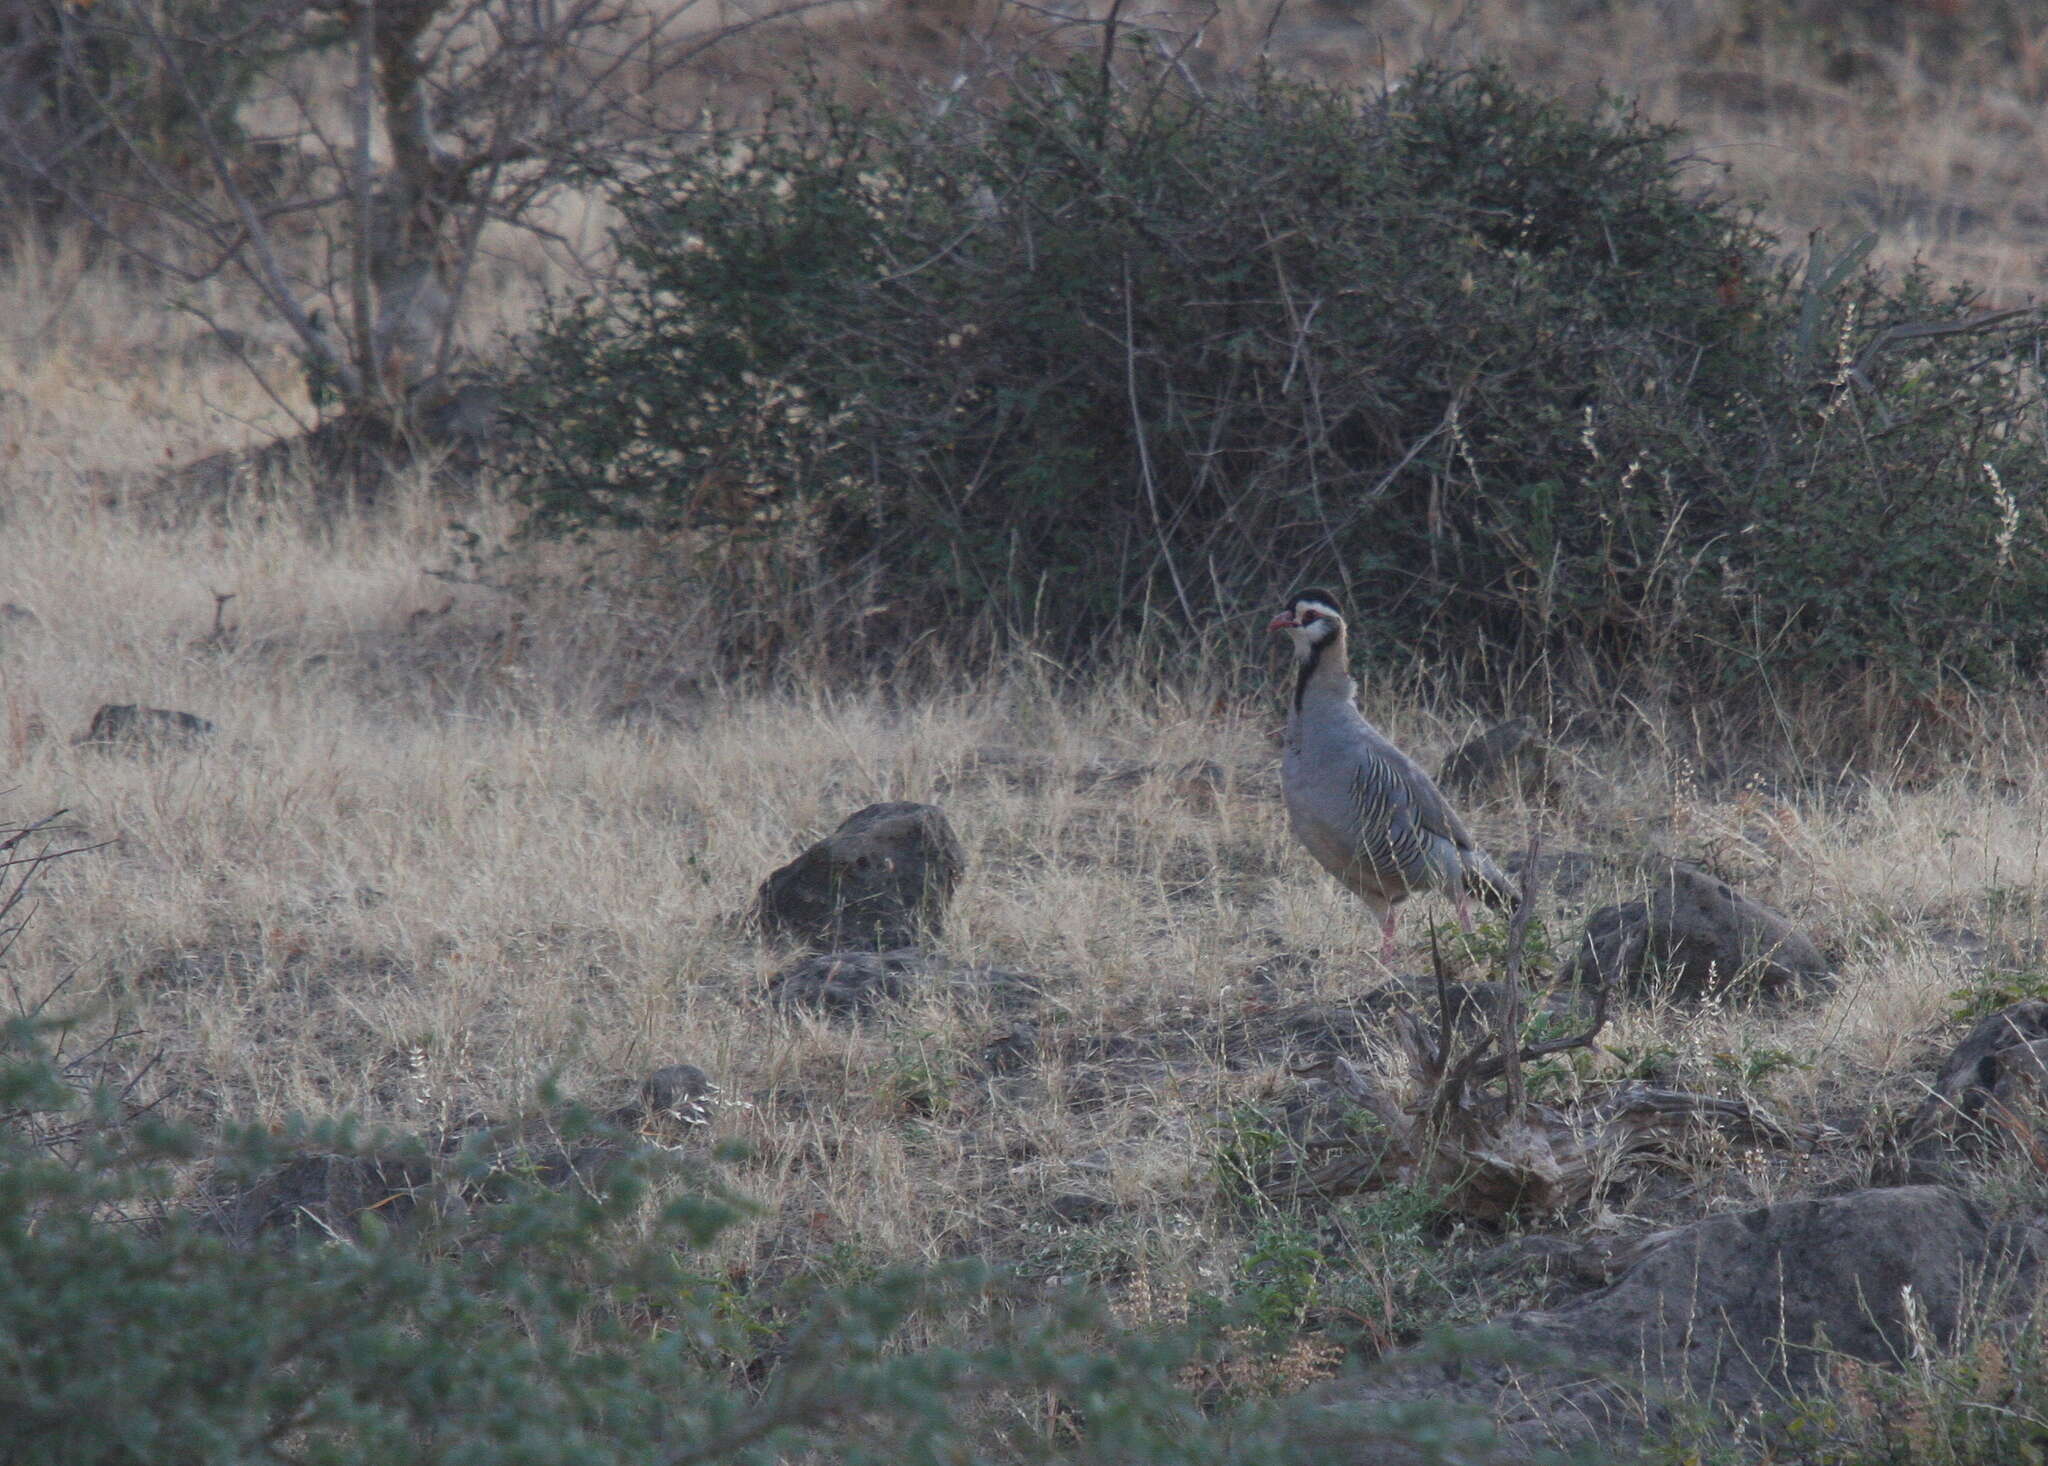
x=1284, y=622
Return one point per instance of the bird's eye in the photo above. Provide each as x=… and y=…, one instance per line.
x=1307, y=614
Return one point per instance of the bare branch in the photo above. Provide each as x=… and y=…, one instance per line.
x=259, y=260
x=1528, y=1052
x=1892, y=336
x=359, y=177
x=1511, y=976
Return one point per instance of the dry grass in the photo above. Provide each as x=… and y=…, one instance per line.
x=451, y=841
x=1923, y=126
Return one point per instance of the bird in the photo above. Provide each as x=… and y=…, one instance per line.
x=1366, y=811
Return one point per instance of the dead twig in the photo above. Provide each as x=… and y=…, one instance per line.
x=1892, y=336
x=1490, y=1153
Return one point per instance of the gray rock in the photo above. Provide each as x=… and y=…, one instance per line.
x=1013, y=1050
x=1078, y=1209
x=2015, y=1026
x=1990, y=1095
x=881, y=880
x=1734, y=1311
x=1695, y=936
x=844, y=984
x=1506, y=756
x=129, y=725
x=680, y=1092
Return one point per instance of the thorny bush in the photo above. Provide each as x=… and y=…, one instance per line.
x=1094, y=353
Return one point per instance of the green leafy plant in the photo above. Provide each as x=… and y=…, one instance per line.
x=1488, y=942
x=1248, y=1144
x=1993, y=989
x=920, y=1080
x=1652, y=1062
x=1753, y=1063
x=1280, y=1276
x=544, y=1324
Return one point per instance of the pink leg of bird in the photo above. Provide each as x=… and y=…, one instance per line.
x=1465, y=911
x=1387, y=937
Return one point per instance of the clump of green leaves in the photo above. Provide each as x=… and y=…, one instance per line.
x=554, y=1324
x=1993, y=989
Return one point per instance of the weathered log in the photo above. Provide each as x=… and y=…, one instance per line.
x=1490, y=1160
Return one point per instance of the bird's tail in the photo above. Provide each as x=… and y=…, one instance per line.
x=1489, y=882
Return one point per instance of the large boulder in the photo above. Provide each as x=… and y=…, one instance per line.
x=882, y=880
x=1695, y=936
x=1731, y=1312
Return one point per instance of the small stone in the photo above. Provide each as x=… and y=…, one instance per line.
x=1078, y=1209
x=843, y=984
x=881, y=880
x=680, y=1092
x=1012, y=1050
x=134, y=726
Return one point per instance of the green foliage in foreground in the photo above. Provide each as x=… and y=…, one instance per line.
x=1096, y=351
x=537, y=1324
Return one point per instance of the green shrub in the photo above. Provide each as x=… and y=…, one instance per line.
x=1098, y=351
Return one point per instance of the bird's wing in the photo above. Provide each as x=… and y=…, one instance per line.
x=1409, y=792
x=1402, y=822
